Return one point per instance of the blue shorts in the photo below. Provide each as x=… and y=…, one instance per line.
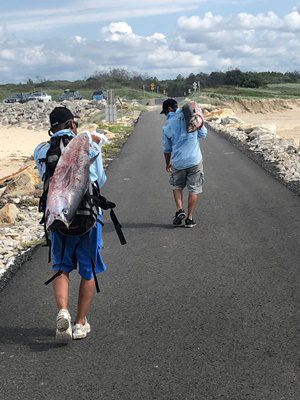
x=78, y=251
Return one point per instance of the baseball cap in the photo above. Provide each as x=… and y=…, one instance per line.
x=59, y=115
x=168, y=103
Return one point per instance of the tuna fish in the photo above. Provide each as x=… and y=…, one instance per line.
x=69, y=182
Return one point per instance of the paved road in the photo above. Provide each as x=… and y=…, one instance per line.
x=204, y=313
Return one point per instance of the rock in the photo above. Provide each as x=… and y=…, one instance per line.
x=8, y=214
x=216, y=114
x=230, y=120
x=2, y=190
x=23, y=183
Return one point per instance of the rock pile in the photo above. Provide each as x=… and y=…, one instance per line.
x=19, y=228
x=35, y=115
x=282, y=154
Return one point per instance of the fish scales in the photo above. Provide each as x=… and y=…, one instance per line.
x=69, y=182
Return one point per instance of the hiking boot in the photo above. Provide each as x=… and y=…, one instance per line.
x=63, y=326
x=179, y=216
x=189, y=223
x=80, y=331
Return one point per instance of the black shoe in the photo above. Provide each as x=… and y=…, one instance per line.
x=190, y=223
x=179, y=216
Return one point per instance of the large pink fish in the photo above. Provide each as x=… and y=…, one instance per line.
x=69, y=182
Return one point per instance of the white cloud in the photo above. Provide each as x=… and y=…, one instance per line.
x=292, y=20
x=259, y=21
x=157, y=37
x=195, y=23
x=34, y=56
x=6, y=54
x=117, y=31
x=202, y=43
x=164, y=57
x=78, y=39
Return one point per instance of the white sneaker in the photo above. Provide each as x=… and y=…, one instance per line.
x=80, y=331
x=63, y=326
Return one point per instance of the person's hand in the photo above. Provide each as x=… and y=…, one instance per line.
x=96, y=138
x=169, y=168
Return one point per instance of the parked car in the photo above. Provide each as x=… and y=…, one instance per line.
x=99, y=95
x=17, y=98
x=70, y=95
x=43, y=97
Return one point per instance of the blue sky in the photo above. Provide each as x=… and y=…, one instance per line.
x=73, y=39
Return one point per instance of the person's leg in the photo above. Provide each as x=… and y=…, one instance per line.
x=63, y=319
x=85, y=299
x=89, y=248
x=178, y=197
x=194, y=186
x=61, y=290
x=192, y=203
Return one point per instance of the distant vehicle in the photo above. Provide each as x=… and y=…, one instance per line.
x=42, y=97
x=99, y=95
x=17, y=98
x=70, y=95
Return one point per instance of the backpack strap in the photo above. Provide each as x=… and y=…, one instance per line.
x=118, y=227
x=63, y=248
x=105, y=204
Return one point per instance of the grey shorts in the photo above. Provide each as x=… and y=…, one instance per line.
x=192, y=178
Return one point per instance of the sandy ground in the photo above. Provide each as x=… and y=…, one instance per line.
x=286, y=123
x=17, y=144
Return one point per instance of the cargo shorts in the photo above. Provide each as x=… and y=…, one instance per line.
x=192, y=178
x=78, y=251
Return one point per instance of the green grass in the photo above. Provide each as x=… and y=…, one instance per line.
x=122, y=133
x=288, y=91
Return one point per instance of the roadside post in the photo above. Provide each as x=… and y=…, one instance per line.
x=111, y=109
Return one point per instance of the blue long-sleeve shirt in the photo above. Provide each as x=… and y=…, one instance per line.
x=97, y=172
x=183, y=146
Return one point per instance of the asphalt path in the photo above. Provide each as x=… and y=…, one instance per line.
x=205, y=313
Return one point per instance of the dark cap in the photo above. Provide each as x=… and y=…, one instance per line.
x=59, y=115
x=168, y=103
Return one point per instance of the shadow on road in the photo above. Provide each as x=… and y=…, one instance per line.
x=143, y=225
x=37, y=339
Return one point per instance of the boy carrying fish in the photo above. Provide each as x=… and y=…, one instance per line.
x=78, y=243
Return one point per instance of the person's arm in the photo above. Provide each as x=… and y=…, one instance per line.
x=39, y=156
x=96, y=168
x=168, y=165
x=202, y=132
x=167, y=148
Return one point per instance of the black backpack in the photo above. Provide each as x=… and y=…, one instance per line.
x=87, y=213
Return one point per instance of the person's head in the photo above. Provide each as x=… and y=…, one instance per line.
x=169, y=105
x=62, y=118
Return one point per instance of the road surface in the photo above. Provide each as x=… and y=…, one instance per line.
x=205, y=313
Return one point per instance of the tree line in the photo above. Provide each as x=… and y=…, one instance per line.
x=119, y=77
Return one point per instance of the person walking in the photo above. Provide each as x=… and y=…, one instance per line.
x=183, y=160
x=69, y=251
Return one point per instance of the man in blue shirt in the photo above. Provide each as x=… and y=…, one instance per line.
x=68, y=252
x=183, y=160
